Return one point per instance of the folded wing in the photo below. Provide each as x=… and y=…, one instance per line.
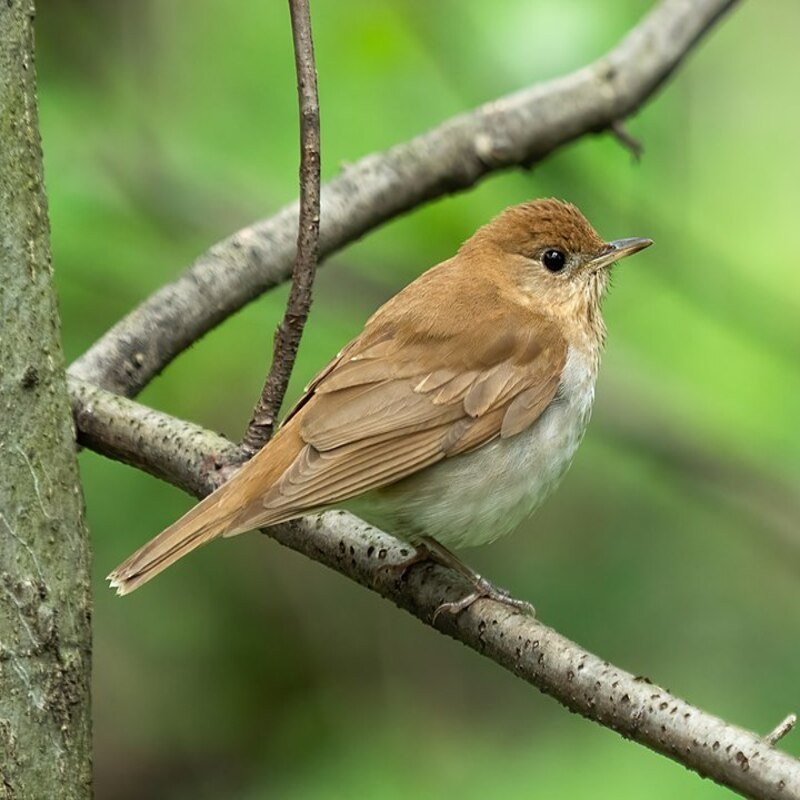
x=397, y=400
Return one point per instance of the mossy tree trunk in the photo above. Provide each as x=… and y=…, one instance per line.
x=45, y=635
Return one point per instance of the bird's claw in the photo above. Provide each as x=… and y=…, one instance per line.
x=484, y=589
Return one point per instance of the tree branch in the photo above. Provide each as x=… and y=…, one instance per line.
x=189, y=457
x=290, y=331
x=517, y=130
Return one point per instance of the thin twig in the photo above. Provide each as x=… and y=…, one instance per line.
x=627, y=139
x=181, y=452
x=520, y=128
x=784, y=727
x=289, y=332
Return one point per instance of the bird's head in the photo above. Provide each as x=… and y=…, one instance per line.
x=548, y=253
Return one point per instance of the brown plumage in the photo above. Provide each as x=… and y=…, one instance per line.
x=471, y=352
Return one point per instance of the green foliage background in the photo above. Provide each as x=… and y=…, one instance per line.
x=672, y=547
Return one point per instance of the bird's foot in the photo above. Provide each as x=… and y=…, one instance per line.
x=484, y=589
x=428, y=549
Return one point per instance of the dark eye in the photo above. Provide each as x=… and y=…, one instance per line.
x=555, y=260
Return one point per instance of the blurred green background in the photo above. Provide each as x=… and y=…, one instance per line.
x=672, y=547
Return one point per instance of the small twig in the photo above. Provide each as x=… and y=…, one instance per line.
x=289, y=332
x=626, y=139
x=784, y=727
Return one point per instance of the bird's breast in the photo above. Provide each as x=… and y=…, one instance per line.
x=477, y=497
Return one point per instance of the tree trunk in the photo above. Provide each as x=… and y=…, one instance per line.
x=45, y=634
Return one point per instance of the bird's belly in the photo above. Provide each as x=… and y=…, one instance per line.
x=476, y=497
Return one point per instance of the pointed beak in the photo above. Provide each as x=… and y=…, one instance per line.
x=619, y=248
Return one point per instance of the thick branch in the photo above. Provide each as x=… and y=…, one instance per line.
x=186, y=455
x=290, y=331
x=519, y=129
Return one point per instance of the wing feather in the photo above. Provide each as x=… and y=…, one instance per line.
x=318, y=479
x=352, y=415
x=526, y=408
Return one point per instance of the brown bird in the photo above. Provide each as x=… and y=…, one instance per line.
x=451, y=416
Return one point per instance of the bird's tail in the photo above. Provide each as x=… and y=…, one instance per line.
x=199, y=525
x=234, y=508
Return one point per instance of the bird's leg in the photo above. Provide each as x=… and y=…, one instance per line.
x=483, y=588
x=420, y=555
x=428, y=549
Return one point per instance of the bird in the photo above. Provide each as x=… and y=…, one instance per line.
x=451, y=416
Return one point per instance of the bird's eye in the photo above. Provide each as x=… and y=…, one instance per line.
x=554, y=260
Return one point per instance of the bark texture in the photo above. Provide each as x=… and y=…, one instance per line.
x=45, y=634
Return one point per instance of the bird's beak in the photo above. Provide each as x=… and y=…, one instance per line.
x=618, y=249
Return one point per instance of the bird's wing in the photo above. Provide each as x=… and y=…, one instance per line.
x=402, y=397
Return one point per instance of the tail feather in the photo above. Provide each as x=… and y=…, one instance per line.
x=198, y=526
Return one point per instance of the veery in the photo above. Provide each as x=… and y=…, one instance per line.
x=451, y=416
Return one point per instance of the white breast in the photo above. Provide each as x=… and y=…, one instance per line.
x=477, y=497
